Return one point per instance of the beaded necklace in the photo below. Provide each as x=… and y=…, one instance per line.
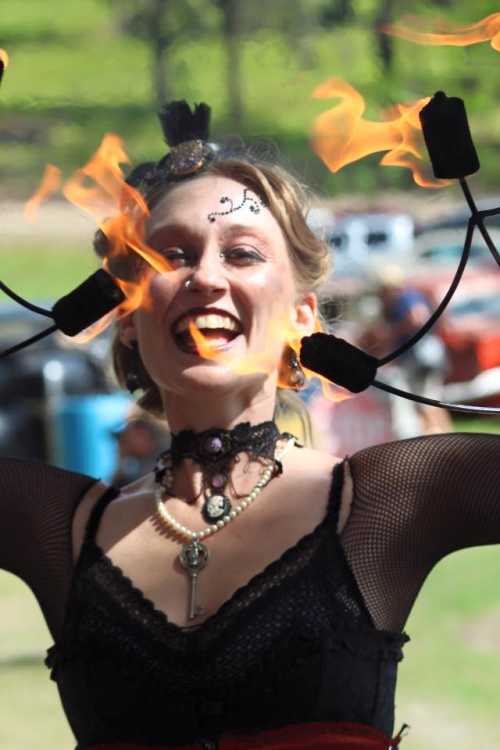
x=216, y=451
x=194, y=554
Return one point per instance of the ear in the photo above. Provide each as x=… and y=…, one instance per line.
x=306, y=310
x=127, y=330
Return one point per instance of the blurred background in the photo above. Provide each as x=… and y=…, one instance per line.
x=80, y=70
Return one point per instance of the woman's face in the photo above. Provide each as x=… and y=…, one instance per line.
x=231, y=276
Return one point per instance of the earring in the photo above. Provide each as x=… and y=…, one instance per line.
x=133, y=377
x=291, y=374
x=132, y=381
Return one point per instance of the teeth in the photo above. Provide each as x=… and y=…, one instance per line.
x=206, y=322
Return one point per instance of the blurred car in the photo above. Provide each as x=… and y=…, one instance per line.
x=370, y=237
x=30, y=377
x=359, y=243
x=470, y=329
x=444, y=247
x=459, y=218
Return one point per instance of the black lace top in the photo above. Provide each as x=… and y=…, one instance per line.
x=316, y=636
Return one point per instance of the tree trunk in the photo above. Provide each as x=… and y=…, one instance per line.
x=159, y=45
x=161, y=91
x=231, y=10
x=385, y=45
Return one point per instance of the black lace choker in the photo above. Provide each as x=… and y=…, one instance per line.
x=216, y=451
x=216, y=446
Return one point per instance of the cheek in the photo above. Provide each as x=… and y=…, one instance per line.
x=275, y=286
x=158, y=296
x=151, y=315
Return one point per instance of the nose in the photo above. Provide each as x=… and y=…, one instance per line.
x=208, y=274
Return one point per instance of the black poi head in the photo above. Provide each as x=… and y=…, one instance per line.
x=338, y=361
x=447, y=137
x=94, y=298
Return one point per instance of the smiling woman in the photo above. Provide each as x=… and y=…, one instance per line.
x=242, y=207
x=249, y=592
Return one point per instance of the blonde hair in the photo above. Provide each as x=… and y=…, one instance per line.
x=288, y=200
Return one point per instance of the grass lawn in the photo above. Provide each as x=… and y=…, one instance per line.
x=45, y=272
x=74, y=76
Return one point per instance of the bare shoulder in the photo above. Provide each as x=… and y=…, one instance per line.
x=317, y=469
x=310, y=467
x=128, y=496
x=312, y=461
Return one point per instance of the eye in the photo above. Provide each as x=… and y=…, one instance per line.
x=243, y=255
x=177, y=256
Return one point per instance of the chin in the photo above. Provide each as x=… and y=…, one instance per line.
x=212, y=377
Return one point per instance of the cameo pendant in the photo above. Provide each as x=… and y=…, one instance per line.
x=216, y=508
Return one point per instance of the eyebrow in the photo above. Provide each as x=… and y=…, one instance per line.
x=175, y=230
x=235, y=229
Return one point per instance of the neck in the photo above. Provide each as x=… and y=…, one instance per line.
x=204, y=411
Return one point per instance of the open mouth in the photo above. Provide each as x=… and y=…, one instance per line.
x=219, y=329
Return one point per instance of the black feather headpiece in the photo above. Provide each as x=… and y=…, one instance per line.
x=180, y=124
x=186, y=132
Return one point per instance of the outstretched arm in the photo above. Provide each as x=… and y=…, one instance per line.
x=37, y=503
x=415, y=501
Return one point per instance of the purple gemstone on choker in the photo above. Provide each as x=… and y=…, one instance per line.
x=213, y=445
x=218, y=481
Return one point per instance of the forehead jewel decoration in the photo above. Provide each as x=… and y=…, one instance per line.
x=250, y=200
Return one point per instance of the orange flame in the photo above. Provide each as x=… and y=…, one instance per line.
x=250, y=363
x=120, y=210
x=99, y=188
x=51, y=181
x=263, y=362
x=134, y=298
x=486, y=30
x=4, y=61
x=342, y=135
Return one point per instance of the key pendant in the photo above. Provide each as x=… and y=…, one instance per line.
x=193, y=558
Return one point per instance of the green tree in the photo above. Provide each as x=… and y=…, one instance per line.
x=232, y=28
x=160, y=24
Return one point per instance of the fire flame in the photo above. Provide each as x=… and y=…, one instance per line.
x=342, y=135
x=486, y=30
x=99, y=188
x=119, y=209
x=279, y=330
x=50, y=183
x=260, y=362
x=4, y=62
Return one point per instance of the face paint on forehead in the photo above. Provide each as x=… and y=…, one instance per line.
x=250, y=200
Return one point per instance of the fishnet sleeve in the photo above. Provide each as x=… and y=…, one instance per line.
x=415, y=501
x=37, y=503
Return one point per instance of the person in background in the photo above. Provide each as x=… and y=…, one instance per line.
x=422, y=369
x=139, y=441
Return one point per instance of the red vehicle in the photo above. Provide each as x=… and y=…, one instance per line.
x=470, y=328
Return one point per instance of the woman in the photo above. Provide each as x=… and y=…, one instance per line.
x=250, y=592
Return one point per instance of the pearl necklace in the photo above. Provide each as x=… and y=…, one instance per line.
x=194, y=555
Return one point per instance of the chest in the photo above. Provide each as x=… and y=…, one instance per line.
x=237, y=553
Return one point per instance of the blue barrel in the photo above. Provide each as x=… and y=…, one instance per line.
x=85, y=430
